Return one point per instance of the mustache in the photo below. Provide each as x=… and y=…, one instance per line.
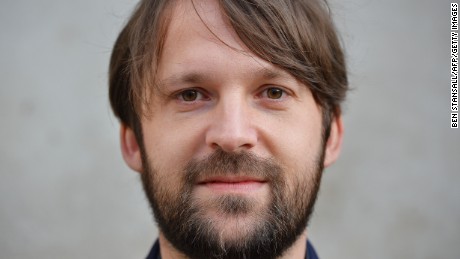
x=221, y=163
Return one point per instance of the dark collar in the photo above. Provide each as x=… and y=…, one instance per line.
x=155, y=251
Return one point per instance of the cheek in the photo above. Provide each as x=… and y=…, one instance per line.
x=296, y=140
x=170, y=146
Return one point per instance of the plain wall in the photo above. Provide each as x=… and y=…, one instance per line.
x=66, y=193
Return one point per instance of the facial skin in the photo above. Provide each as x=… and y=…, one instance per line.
x=228, y=140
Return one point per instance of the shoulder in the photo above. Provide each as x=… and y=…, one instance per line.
x=310, y=253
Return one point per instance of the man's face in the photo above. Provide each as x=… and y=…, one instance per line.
x=232, y=152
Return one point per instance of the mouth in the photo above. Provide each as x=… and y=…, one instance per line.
x=234, y=184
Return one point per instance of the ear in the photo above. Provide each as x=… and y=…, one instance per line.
x=334, y=142
x=130, y=148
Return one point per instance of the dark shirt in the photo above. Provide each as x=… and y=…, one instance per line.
x=155, y=252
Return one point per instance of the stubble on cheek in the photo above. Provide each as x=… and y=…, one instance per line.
x=232, y=224
x=229, y=216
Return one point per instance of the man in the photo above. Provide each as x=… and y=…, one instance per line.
x=229, y=111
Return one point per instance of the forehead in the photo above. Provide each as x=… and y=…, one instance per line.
x=201, y=44
x=203, y=18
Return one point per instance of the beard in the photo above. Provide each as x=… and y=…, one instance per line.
x=256, y=231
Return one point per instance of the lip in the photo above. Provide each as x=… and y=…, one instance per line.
x=231, y=179
x=232, y=183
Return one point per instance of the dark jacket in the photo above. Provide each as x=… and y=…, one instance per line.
x=155, y=252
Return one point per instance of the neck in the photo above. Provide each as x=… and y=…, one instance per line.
x=296, y=251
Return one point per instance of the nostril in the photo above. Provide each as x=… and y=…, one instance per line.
x=232, y=144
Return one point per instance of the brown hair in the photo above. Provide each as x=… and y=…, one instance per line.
x=295, y=35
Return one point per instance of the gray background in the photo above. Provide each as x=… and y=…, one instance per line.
x=66, y=193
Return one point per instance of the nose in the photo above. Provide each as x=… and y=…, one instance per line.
x=232, y=127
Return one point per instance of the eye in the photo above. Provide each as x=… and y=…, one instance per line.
x=190, y=95
x=274, y=93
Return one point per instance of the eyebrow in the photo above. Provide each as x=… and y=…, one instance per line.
x=200, y=77
x=193, y=77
